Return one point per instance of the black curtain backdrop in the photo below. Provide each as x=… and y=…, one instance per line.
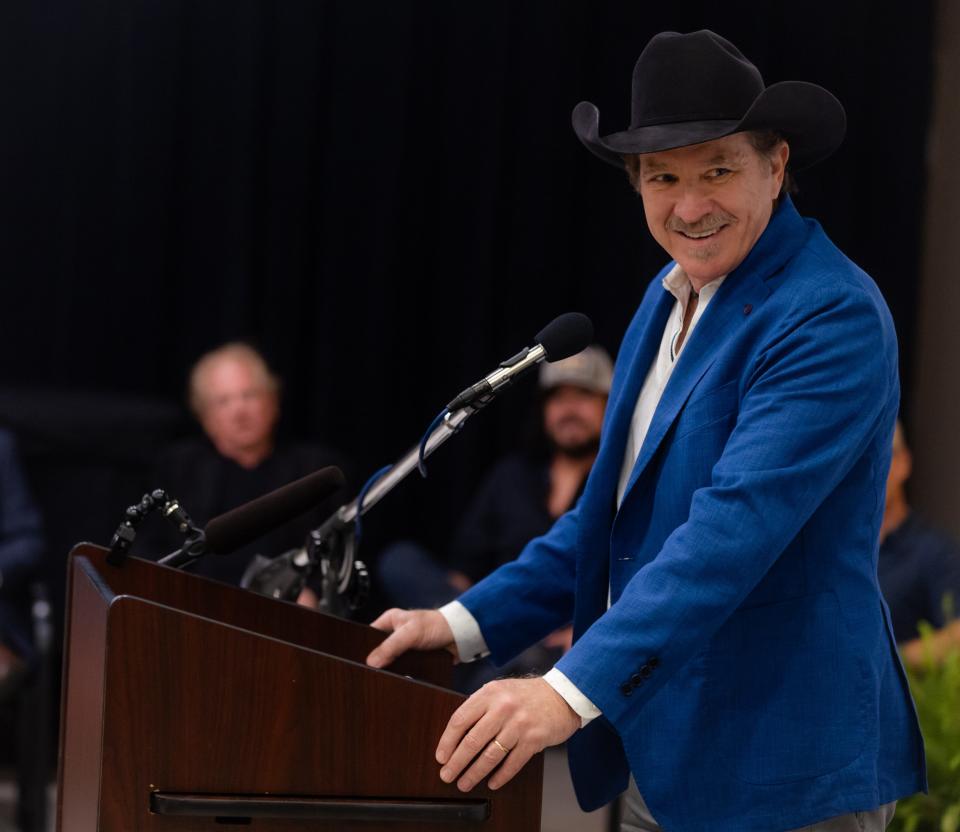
x=386, y=196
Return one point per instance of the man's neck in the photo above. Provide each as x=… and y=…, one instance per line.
x=688, y=314
x=893, y=517
x=248, y=458
x=567, y=474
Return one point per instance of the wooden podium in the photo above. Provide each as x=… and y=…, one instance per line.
x=191, y=705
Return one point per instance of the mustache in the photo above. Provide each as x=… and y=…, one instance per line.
x=706, y=223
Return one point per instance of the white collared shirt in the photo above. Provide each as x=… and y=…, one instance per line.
x=466, y=631
x=678, y=284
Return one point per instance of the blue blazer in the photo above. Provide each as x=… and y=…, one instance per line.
x=746, y=670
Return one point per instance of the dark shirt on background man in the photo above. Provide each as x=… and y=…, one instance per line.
x=207, y=484
x=508, y=510
x=918, y=565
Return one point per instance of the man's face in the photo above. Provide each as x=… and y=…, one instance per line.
x=707, y=204
x=572, y=418
x=238, y=410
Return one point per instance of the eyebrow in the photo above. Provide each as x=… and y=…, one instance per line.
x=724, y=158
x=651, y=164
x=648, y=165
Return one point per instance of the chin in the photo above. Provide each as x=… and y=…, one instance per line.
x=703, y=273
x=247, y=442
x=586, y=446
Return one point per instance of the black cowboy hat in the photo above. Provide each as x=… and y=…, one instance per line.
x=692, y=88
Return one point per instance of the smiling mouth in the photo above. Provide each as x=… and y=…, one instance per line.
x=701, y=235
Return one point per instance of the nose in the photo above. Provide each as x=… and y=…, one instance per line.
x=692, y=204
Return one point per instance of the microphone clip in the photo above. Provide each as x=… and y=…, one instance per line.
x=169, y=507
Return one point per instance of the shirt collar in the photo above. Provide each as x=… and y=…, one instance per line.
x=678, y=284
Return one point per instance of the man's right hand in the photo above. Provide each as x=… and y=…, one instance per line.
x=411, y=630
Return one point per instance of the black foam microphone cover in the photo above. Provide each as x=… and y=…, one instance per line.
x=239, y=526
x=565, y=335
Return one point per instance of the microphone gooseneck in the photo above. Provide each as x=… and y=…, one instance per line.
x=169, y=507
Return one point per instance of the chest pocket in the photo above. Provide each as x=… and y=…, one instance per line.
x=707, y=408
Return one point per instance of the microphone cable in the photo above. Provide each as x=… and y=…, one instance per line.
x=357, y=528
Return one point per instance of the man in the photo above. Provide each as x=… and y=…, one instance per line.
x=919, y=566
x=522, y=495
x=21, y=550
x=236, y=399
x=731, y=649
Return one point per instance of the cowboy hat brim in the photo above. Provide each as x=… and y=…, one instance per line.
x=809, y=117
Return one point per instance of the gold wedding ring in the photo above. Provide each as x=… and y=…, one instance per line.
x=499, y=745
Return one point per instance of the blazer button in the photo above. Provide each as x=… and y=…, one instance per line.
x=636, y=680
x=645, y=671
x=654, y=662
x=626, y=689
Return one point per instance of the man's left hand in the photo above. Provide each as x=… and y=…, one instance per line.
x=501, y=727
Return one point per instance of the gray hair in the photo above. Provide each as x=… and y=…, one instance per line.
x=237, y=351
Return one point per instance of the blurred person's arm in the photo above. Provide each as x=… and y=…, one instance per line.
x=935, y=647
x=506, y=512
x=472, y=555
x=941, y=571
x=21, y=537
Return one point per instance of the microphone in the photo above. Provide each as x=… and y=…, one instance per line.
x=564, y=336
x=237, y=527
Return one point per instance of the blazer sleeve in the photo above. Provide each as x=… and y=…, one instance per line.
x=823, y=388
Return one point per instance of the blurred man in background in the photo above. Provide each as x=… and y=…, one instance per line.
x=919, y=567
x=236, y=399
x=21, y=549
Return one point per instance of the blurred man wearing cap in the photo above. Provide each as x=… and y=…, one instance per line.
x=517, y=501
x=731, y=649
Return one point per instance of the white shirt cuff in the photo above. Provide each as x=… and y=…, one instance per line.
x=571, y=694
x=466, y=632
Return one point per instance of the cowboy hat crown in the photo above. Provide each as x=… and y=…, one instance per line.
x=692, y=88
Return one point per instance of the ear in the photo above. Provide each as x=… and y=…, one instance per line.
x=778, y=167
